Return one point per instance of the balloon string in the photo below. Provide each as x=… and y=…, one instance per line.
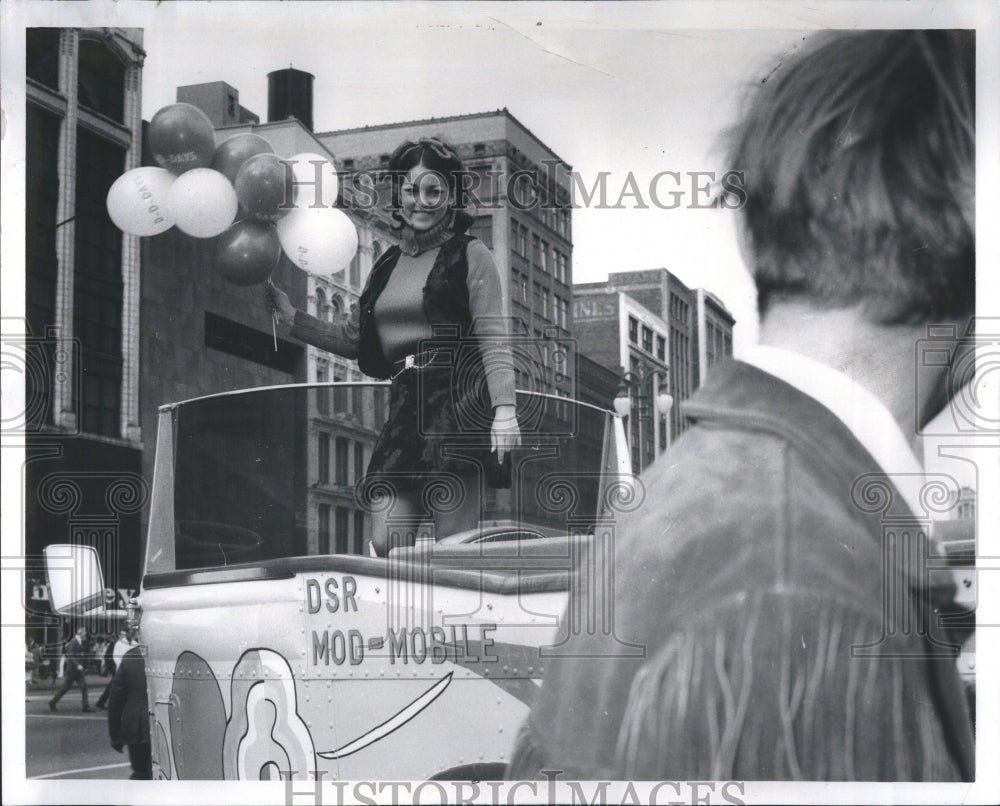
x=274, y=321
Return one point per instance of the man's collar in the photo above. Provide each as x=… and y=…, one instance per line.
x=864, y=415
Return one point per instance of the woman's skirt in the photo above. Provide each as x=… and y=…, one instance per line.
x=438, y=427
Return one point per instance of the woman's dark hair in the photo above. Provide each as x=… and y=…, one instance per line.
x=431, y=152
x=859, y=164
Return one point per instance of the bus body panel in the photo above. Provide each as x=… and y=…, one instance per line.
x=340, y=673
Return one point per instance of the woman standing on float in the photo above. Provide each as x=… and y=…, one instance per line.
x=430, y=319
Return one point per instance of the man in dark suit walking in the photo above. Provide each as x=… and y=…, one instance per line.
x=74, y=671
x=128, y=713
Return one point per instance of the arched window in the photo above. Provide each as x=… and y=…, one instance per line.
x=336, y=307
x=41, y=58
x=101, y=80
x=322, y=308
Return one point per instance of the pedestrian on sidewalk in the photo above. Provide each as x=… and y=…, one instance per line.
x=74, y=670
x=128, y=713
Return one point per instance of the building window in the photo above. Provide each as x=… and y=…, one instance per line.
x=324, y=529
x=340, y=528
x=679, y=310
x=661, y=348
x=323, y=457
x=339, y=394
x=482, y=228
x=561, y=267
x=519, y=291
x=101, y=80
x=357, y=401
x=359, y=461
x=97, y=285
x=536, y=250
x=42, y=268
x=323, y=393
x=340, y=462
x=647, y=339
x=560, y=307
x=41, y=58
x=544, y=257
x=322, y=309
x=633, y=330
x=354, y=272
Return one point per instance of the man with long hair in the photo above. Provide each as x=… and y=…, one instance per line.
x=788, y=631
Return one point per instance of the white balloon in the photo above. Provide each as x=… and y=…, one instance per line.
x=315, y=178
x=202, y=202
x=137, y=201
x=319, y=240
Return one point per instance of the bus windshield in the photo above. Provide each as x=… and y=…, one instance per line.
x=272, y=473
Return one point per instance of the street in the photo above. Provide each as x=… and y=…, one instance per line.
x=70, y=743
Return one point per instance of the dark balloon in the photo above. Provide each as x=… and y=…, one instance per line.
x=181, y=137
x=263, y=187
x=247, y=252
x=230, y=156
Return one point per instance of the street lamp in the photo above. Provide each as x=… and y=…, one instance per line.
x=662, y=401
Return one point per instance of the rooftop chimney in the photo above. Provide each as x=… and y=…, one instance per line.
x=290, y=95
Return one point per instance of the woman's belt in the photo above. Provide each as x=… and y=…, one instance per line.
x=413, y=361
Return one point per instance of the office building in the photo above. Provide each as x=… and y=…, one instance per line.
x=651, y=323
x=83, y=129
x=615, y=331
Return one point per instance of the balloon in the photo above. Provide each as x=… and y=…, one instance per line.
x=318, y=240
x=230, y=156
x=262, y=189
x=315, y=178
x=247, y=252
x=137, y=201
x=181, y=138
x=202, y=202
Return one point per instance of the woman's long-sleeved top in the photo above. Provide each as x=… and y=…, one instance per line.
x=403, y=326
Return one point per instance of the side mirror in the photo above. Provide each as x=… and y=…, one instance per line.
x=76, y=582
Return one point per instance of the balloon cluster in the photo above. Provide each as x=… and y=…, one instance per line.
x=255, y=202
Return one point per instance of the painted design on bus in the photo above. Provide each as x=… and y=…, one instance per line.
x=394, y=722
x=263, y=734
